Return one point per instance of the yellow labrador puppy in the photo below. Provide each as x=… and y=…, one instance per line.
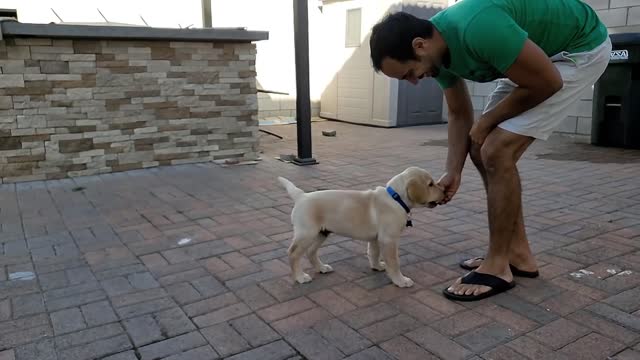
x=377, y=216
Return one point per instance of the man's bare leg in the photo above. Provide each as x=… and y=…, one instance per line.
x=499, y=155
x=520, y=254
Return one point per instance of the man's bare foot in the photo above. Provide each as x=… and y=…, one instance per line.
x=459, y=288
x=525, y=264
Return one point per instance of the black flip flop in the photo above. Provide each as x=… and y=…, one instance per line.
x=514, y=270
x=496, y=284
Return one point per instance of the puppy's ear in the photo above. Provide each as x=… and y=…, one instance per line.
x=416, y=191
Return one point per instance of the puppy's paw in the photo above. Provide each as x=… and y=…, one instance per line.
x=381, y=266
x=304, y=278
x=325, y=269
x=404, y=282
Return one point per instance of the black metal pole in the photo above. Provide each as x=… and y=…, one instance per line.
x=303, y=101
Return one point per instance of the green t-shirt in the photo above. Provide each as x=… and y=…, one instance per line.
x=485, y=37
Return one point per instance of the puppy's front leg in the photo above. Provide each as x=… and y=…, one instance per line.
x=373, y=252
x=390, y=254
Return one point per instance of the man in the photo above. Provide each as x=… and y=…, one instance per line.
x=546, y=53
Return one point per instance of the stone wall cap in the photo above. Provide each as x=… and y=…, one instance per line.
x=9, y=27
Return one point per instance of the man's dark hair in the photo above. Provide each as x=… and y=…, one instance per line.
x=393, y=36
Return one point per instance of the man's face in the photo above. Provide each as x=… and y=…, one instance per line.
x=413, y=70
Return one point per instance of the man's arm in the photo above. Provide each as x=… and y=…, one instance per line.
x=537, y=79
x=460, y=122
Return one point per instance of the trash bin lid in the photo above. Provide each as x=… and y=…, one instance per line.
x=625, y=39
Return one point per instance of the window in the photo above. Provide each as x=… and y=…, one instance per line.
x=354, y=22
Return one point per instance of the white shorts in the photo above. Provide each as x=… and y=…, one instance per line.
x=578, y=70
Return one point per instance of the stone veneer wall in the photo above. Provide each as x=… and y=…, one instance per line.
x=83, y=107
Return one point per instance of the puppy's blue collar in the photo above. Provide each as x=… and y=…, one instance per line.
x=395, y=196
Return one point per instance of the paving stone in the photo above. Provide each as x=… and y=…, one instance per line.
x=138, y=297
x=278, y=350
x=5, y=310
x=389, y=328
x=347, y=340
x=438, y=302
x=438, y=344
x=501, y=353
x=301, y=321
x=143, y=330
x=402, y=348
x=24, y=323
x=27, y=305
x=127, y=355
x=225, y=340
x=256, y=331
x=97, y=349
x=312, y=346
x=208, y=286
x=285, y=309
x=74, y=300
x=80, y=275
x=255, y=297
x=628, y=301
x=355, y=294
x=364, y=317
x=184, y=293
x=604, y=327
x=416, y=310
x=332, y=302
x=526, y=309
x=88, y=336
x=145, y=307
x=628, y=354
x=39, y=350
x=372, y=353
x=66, y=321
x=211, y=304
x=593, y=346
x=485, y=337
x=222, y=315
x=559, y=333
x=532, y=349
x=620, y=317
x=123, y=270
x=25, y=336
x=460, y=323
x=200, y=353
x=7, y=355
x=98, y=313
x=172, y=346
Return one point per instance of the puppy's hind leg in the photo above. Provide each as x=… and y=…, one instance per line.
x=302, y=241
x=312, y=254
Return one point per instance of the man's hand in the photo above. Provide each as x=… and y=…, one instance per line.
x=450, y=183
x=479, y=132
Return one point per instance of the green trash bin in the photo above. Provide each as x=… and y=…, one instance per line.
x=616, y=96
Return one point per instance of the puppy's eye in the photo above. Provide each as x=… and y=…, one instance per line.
x=430, y=184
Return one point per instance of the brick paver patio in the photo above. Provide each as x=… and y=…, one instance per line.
x=189, y=262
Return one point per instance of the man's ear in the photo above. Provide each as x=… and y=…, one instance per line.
x=419, y=45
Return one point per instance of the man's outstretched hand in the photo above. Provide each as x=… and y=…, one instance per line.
x=450, y=183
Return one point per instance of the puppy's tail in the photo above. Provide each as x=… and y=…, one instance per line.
x=294, y=192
